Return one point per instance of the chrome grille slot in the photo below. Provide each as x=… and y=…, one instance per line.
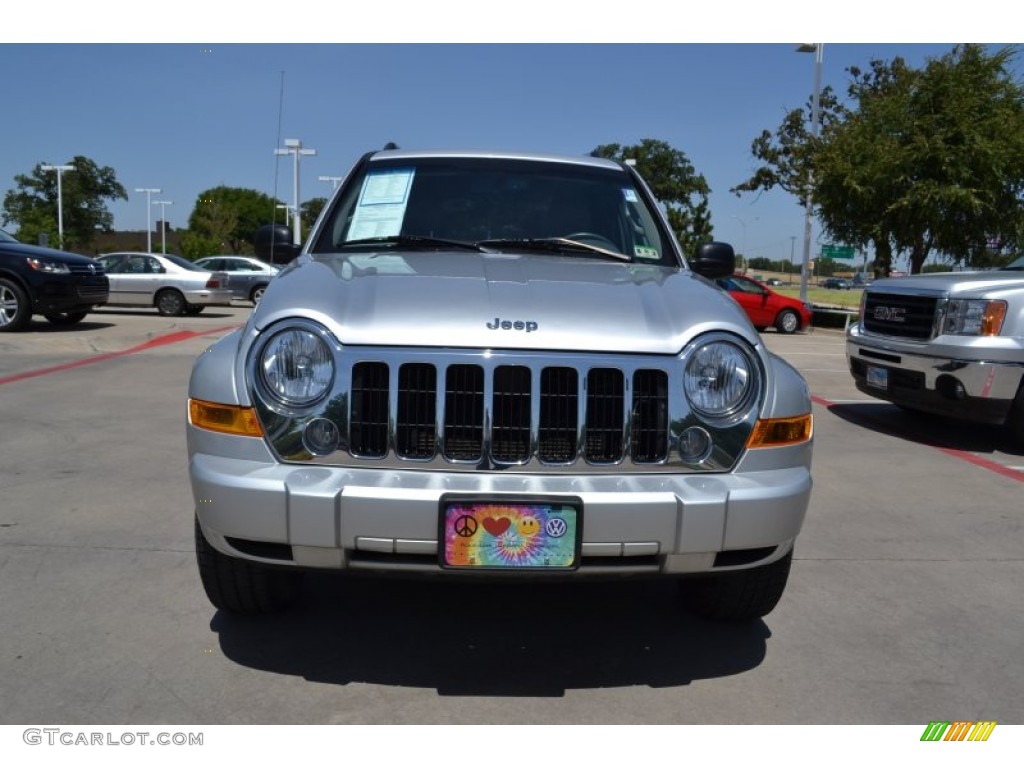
x=558, y=432
x=649, y=432
x=368, y=424
x=464, y=413
x=605, y=425
x=416, y=425
x=510, y=431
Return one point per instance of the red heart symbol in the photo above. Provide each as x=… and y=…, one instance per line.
x=496, y=525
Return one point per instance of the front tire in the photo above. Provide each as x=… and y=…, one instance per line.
x=257, y=294
x=240, y=586
x=194, y=309
x=15, y=308
x=170, y=303
x=787, y=322
x=66, y=318
x=1015, y=419
x=737, y=596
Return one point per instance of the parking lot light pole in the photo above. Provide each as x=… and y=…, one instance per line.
x=818, y=49
x=60, y=197
x=163, y=223
x=294, y=147
x=334, y=180
x=149, y=220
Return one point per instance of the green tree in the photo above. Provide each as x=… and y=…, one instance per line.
x=920, y=162
x=85, y=191
x=675, y=183
x=228, y=216
x=311, y=212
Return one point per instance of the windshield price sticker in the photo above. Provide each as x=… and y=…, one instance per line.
x=510, y=535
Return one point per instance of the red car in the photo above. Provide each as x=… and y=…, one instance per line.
x=765, y=307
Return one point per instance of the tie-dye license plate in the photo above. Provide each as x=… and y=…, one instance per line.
x=519, y=534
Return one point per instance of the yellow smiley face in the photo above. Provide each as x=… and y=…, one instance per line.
x=528, y=526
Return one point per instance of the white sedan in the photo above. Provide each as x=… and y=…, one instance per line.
x=175, y=286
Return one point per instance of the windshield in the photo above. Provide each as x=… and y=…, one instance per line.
x=496, y=204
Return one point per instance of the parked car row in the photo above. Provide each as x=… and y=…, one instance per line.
x=64, y=287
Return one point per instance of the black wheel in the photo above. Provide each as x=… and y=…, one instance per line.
x=257, y=294
x=170, y=302
x=239, y=586
x=737, y=595
x=66, y=318
x=193, y=309
x=1015, y=419
x=15, y=308
x=787, y=322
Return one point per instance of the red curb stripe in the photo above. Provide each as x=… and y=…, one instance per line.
x=970, y=458
x=159, y=341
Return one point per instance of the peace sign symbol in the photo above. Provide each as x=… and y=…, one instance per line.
x=464, y=526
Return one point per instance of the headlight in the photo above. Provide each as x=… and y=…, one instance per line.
x=297, y=367
x=974, y=317
x=719, y=379
x=55, y=267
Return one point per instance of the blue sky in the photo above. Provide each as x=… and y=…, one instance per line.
x=186, y=116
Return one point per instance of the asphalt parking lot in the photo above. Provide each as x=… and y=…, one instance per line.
x=904, y=604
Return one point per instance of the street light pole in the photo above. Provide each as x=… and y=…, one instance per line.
x=149, y=220
x=294, y=147
x=60, y=197
x=818, y=49
x=335, y=180
x=163, y=223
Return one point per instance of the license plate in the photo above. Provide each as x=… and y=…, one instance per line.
x=514, y=534
x=878, y=377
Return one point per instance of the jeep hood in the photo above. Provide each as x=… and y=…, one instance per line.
x=509, y=301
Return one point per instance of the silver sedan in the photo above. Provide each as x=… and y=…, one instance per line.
x=247, y=277
x=175, y=286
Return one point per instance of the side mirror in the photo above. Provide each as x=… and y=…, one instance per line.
x=273, y=243
x=714, y=260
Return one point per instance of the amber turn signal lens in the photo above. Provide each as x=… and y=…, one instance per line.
x=769, y=433
x=230, y=419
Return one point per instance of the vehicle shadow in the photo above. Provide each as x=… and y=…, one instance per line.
x=143, y=312
x=938, y=432
x=45, y=326
x=493, y=639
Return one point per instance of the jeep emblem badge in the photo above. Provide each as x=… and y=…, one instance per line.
x=513, y=325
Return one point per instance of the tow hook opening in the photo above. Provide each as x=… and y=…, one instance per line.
x=950, y=387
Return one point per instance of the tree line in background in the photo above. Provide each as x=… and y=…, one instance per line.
x=916, y=162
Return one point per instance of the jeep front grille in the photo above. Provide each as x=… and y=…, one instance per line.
x=496, y=415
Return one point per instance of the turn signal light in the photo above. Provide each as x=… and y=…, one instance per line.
x=230, y=419
x=770, y=433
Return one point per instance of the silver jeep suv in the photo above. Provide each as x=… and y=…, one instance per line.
x=498, y=366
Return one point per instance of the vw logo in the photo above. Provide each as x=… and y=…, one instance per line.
x=92, y=269
x=555, y=527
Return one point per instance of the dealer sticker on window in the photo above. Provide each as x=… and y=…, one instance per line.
x=510, y=534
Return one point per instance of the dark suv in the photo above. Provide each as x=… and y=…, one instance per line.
x=61, y=286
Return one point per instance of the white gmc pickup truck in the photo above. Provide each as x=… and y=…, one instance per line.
x=950, y=344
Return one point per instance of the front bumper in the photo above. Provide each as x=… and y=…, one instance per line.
x=335, y=517
x=970, y=387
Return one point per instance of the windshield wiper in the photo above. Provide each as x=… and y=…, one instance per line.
x=417, y=240
x=557, y=244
